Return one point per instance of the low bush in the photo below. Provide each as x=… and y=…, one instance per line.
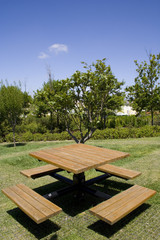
x=9, y=137
x=127, y=121
x=26, y=137
x=38, y=137
x=117, y=133
x=108, y=133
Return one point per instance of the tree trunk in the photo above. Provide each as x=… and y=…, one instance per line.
x=75, y=139
x=14, y=140
x=57, y=120
x=87, y=136
x=81, y=141
x=51, y=120
x=104, y=124
x=152, y=117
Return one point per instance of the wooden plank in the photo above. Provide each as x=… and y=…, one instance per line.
x=33, y=204
x=60, y=162
x=35, y=172
x=100, y=150
x=86, y=156
x=94, y=152
x=56, y=209
x=119, y=171
x=27, y=208
x=114, y=199
x=122, y=204
x=130, y=206
x=66, y=163
x=73, y=154
x=75, y=158
x=32, y=201
x=78, y=158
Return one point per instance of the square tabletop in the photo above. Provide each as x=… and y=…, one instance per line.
x=78, y=158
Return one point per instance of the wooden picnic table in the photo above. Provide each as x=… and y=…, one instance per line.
x=77, y=159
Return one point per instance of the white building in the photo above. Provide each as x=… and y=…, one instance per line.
x=126, y=110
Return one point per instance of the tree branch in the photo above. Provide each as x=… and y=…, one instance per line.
x=75, y=139
x=89, y=135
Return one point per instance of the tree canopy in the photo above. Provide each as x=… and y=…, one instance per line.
x=85, y=98
x=79, y=104
x=12, y=104
x=145, y=93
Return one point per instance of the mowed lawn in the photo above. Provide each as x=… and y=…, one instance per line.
x=75, y=222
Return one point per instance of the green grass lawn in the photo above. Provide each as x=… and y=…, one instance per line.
x=75, y=222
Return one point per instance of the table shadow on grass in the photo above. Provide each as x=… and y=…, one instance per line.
x=38, y=230
x=108, y=231
x=69, y=204
x=73, y=206
x=112, y=187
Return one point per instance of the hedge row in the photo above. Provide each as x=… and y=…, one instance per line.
x=121, y=133
x=108, y=133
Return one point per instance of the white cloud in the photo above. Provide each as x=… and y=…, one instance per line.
x=43, y=55
x=57, y=47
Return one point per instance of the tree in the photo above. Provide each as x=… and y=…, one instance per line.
x=145, y=93
x=12, y=104
x=94, y=93
x=46, y=100
x=86, y=98
x=27, y=102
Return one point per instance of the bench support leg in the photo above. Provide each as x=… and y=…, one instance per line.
x=59, y=192
x=79, y=186
x=61, y=178
x=96, y=193
x=97, y=179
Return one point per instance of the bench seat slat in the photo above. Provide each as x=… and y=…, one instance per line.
x=33, y=204
x=119, y=171
x=120, y=205
x=114, y=199
x=123, y=202
x=130, y=206
x=40, y=171
x=27, y=208
x=123, y=199
x=39, y=198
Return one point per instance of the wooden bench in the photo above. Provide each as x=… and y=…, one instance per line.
x=33, y=204
x=115, y=208
x=40, y=171
x=119, y=171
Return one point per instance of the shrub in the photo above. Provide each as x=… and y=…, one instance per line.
x=48, y=136
x=127, y=121
x=26, y=137
x=108, y=133
x=65, y=136
x=9, y=137
x=38, y=137
x=115, y=133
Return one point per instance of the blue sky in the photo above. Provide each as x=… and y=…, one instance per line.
x=37, y=35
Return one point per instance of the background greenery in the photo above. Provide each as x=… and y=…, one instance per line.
x=83, y=103
x=108, y=133
x=75, y=222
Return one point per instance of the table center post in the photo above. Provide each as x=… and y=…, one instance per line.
x=79, y=180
